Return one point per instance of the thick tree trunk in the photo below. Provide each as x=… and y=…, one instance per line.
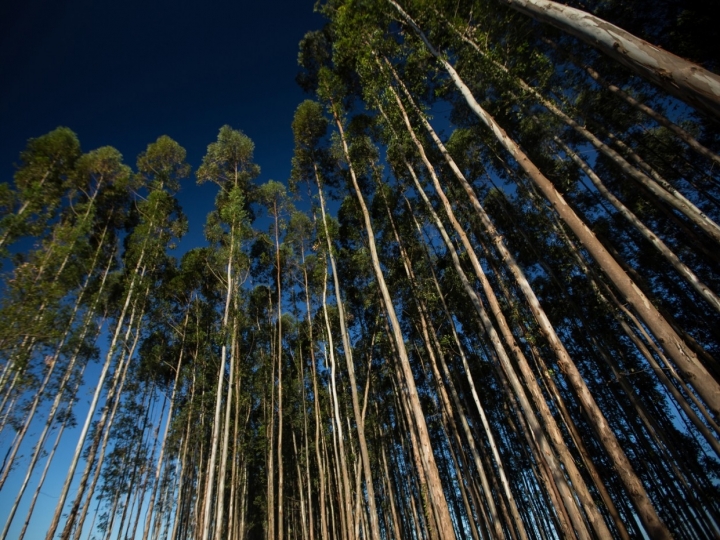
x=689, y=82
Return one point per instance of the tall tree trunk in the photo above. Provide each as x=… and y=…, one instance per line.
x=689, y=82
x=683, y=356
x=338, y=429
x=210, y=482
x=281, y=519
x=220, y=512
x=103, y=426
x=428, y=330
x=96, y=397
x=435, y=484
x=161, y=456
x=347, y=347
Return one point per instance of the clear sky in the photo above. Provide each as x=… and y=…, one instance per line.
x=122, y=73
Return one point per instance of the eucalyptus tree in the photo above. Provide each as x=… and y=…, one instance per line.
x=417, y=40
x=228, y=163
x=330, y=90
x=272, y=195
x=309, y=128
x=45, y=164
x=690, y=82
x=159, y=222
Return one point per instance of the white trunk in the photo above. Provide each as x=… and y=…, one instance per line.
x=436, y=492
x=219, y=514
x=347, y=346
x=93, y=404
x=210, y=483
x=689, y=82
x=160, y=459
x=104, y=425
x=345, y=479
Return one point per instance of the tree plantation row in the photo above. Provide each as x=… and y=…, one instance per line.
x=502, y=325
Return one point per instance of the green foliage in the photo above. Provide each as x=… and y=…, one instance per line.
x=228, y=161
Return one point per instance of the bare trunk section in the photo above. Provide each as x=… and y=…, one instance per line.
x=96, y=397
x=427, y=330
x=160, y=459
x=689, y=82
x=103, y=427
x=210, y=483
x=220, y=507
x=347, y=346
x=435, y=485
x=338, y=430
x=545, y=452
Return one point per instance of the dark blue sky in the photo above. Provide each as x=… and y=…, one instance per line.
x=124, y=73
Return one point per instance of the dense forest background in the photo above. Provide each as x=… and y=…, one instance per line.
x=499, y=323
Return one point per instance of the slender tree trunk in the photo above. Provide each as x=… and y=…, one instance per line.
x=435, y=485
x=161, y=456
x=281, y=518
x=315, y=408
x=347, y=347
x=661, y=119
x=427, y=330
x=103, y=427
x=96, y=397
x=51, y=455
x=219, y=514
x=58, y=397
x=210, y=482
x=515, y=383
x=666, y=252
x=338, y=431
x=683, y=356
x=584, y=495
